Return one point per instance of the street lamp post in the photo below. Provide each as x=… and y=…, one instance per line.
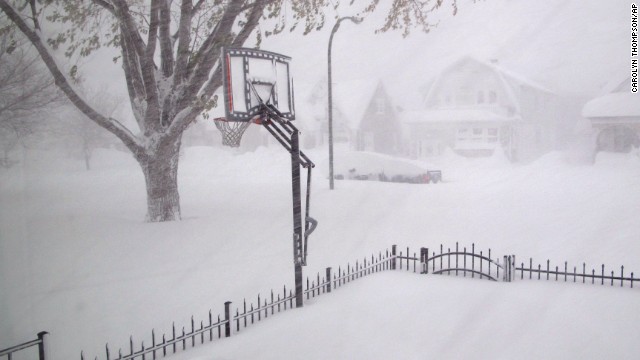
x=330, y=105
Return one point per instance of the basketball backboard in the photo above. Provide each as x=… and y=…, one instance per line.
x=253, y=77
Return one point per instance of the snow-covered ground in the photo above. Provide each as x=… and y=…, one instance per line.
x=78, y=261
x=409, y=316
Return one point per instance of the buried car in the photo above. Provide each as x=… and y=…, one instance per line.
x=431, y=176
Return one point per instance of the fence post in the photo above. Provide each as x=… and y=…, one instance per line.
x=393, y=255
x=424, y=255
x=509, y=268
x=506, y=271
x=513, y=267
x=41, y=345
x=328, y=279
x=227, y=318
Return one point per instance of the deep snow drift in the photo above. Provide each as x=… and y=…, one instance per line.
x=407, y=316
x=78, y=261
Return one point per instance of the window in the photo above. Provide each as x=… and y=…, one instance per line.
x=493, y=97
x=380, y=105
x=480, y=97
x=464, y=96
x=492, y=135
x=463, y=134
x=477, y=135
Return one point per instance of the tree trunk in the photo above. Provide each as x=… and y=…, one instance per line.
x=161, y=176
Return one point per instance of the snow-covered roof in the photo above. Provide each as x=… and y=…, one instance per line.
x=454, y=115
x=350, y=99
x=509, y=80
x=516, y=78
x=353, y=97
x=613, y=105
x=310, y=104
x=620, y=82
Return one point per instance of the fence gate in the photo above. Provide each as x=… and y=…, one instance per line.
x=465, y=263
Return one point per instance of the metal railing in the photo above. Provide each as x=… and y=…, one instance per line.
x=459, y=262
x=556, y=273
x=251, y=313
x=39, y=342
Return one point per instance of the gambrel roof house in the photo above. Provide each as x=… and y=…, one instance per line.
x=476, y=108
x=616, y=117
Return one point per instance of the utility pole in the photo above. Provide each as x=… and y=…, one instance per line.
x=330, y=105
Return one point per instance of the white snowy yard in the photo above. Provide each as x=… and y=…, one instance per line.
x=77, y=260
x=408, y=316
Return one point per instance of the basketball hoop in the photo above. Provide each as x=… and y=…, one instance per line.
x=257, y=88
x=231, y=131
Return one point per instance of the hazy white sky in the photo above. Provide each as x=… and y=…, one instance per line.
x=569, y=46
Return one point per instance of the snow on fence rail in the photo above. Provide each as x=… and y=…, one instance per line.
x=459, y=262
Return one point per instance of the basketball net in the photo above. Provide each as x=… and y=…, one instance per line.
x=231, y=131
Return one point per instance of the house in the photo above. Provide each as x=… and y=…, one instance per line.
x=477, y=108
x=616, y=117
x=364, y=116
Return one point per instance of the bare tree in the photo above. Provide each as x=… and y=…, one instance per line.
x=169, y=52
x=86, y=136
x=26, y=92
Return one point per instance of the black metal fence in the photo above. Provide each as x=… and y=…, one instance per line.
x=457, y=262
x=471, y=263
x=39, y=342
x=461, y=262
x=250, y=312
x=178, y=341
x=567, y=274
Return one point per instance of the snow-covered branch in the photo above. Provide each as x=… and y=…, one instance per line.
x=61, y=81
